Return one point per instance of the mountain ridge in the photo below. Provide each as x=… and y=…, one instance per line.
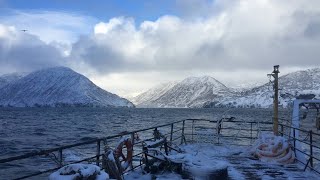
x=190, y=92
x=292, y=85
x=57, y=86
x=9, y=78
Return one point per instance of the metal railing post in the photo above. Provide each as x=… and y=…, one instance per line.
x=132, y=141
x=98, y=153
x=60, y=157
x=251, y=132
x=294, y=140
x=311, y=149
x=182, y=133
x=171, y=133
x=192, y=130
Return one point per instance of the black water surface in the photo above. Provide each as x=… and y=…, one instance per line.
x=24, y=130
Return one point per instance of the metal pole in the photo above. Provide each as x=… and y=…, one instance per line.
x=166, y=147
x=132, y=141
x=276, y=99
x=294, y=140
x=171, y=133
x=98, y=153
x=182, y=133
x=60, y=157
x=311, y=149
x=192, y=129
x=251, y=132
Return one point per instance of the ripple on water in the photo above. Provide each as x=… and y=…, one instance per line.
x=35, y=128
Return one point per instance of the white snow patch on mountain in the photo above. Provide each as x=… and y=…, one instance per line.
x=190, y=92
x=292, y=86
x=9, y=78
x=58, y=86
x=206, y=91
x=152, y=94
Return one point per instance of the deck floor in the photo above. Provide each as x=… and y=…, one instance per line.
x=241, y=165
x=207, y=157
x=255, y=169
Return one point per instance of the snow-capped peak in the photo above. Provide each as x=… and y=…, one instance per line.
x=190, y=92
x=57, y=86
x=201, y=79
x=205, y=91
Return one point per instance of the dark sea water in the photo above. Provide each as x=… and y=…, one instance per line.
x=24, y=130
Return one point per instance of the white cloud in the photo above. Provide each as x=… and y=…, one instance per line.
x=50, y=25
x=25, y=52
x=246, y=34
x=47, y=41
x=223, y=38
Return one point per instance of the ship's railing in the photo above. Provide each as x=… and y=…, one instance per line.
x=179, y=132
x=309, y=144
x=232, y=132
x=245, y=132
x=38, y=164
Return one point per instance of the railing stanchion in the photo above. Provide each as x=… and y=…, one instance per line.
x=60, y=157
x=251, y=132
x=311, y=149
x=192, y=130
x=294, y=140
x=171, y=133
x=132, y=141
x=98, y=153
x=182, y=133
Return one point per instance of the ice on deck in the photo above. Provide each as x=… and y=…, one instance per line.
x=200, y=159
x=79, y=171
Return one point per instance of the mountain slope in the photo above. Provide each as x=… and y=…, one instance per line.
x=8, y=78
x=207, y=92
x=59, y=86
x=144, y=99
x=291, y=86
x=191, y=92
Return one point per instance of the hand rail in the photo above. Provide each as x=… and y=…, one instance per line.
x=310, y=144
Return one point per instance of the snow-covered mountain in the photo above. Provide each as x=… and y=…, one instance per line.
x=292, y=86
x=191, y=92
x=8, y=78
x=208, y=92
x=58, y=86
x=145, y=99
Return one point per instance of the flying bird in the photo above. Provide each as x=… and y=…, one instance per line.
x=24, y=30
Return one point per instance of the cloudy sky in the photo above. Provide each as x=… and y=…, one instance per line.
x=129, y=46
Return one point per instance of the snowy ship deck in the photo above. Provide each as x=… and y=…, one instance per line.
x=255, y=169
x=242, y=166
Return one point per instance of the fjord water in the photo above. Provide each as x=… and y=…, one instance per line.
x=24, y=130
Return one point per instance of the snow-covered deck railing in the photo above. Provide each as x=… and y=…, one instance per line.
x=222, y=132
x=306, y=145
x=49, y=160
